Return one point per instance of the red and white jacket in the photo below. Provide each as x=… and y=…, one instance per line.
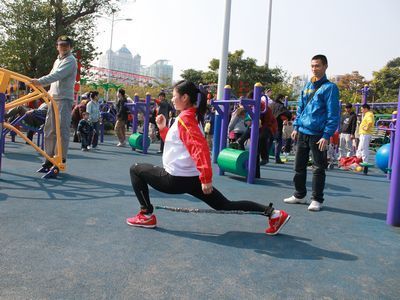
x=186, y=152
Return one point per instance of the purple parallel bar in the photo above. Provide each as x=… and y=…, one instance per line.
x=364, y=92
x=392, y=141
x=135, y=115
x=254, y=134
x=146, y=123
x=2, y=111
x=393, y=210
x=224, y=122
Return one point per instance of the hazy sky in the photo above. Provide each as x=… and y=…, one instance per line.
x=358, y=35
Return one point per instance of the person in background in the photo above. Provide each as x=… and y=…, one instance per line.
x=348, y=125
x=163, y=108
x=365, y=130
x=269, y=128
x=122, y=118
x=287, y=130
x=281, y=113
x=267, y=96
x=237, y=125
x=32, y=117
x=76, y=116
x=209, y=124
x=93, y=108
x=84, y=131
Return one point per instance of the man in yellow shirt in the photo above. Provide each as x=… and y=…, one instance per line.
x=365, y=131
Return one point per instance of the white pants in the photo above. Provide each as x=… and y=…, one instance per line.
x=345, y=145
x=363, y=147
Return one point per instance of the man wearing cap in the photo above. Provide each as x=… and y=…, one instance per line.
x=61, y=80
x=348, y=126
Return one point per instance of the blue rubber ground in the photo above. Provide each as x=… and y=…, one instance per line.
x=66, y=238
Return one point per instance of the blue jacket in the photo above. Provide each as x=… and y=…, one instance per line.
x=321, y=115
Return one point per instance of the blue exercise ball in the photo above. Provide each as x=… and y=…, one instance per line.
x=382, y=157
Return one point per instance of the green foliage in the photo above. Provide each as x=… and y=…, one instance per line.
x=193, y=75
x=386, y=82
x=239, y=69
x=394, y=63
x=31, y=27
x=283, y=88
x=350, y=85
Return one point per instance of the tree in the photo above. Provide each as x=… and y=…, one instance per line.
x=239, y=69
x=386, y=82
x=31, y=27
x=193, y=75
x=394, y=63
x=350, y=85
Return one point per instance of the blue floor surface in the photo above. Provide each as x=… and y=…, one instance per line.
x=66, y=238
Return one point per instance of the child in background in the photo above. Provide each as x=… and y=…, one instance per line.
x=286, y=136
x=333, y=149
x=84, y=131
x=187, y=165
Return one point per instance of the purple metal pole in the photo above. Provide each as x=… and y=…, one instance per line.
x=364, y=92
x=2, y=111
x=224, y=123
x=254, y=133
x=392, y=141
x=146, y=123
x=135, y=114
x=217, y=135
x=393, y=210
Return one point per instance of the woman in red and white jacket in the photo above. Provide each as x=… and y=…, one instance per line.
x=187, y=165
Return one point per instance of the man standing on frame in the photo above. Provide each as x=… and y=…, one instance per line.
x=62, y=81
x=316, y=120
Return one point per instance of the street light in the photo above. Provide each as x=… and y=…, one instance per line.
x=113, y=20
x=268, y=33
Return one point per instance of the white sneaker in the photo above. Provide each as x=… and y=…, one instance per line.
x=294, y=200
x=315, y=206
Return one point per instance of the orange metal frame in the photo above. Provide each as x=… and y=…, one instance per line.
x=38, y=92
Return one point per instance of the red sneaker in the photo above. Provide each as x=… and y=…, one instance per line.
x=142, y=220
x=276, y=224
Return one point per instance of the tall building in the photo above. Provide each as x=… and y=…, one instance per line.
x=121, y=60
x=160, y=70
x=123, y=67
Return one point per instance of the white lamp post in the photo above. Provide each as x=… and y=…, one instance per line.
x=268, y=33
x=113, y=20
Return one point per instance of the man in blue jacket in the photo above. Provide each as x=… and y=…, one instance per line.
x=317, y=119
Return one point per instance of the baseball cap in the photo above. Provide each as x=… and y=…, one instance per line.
x=64, y=39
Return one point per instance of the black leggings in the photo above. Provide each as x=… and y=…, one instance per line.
x=159, y=179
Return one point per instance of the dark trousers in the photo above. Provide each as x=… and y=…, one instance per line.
x=278, y=146
x=143, y=175
x=264, y=143
x=95, y=134
x=306, y=143
x=85, y=139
